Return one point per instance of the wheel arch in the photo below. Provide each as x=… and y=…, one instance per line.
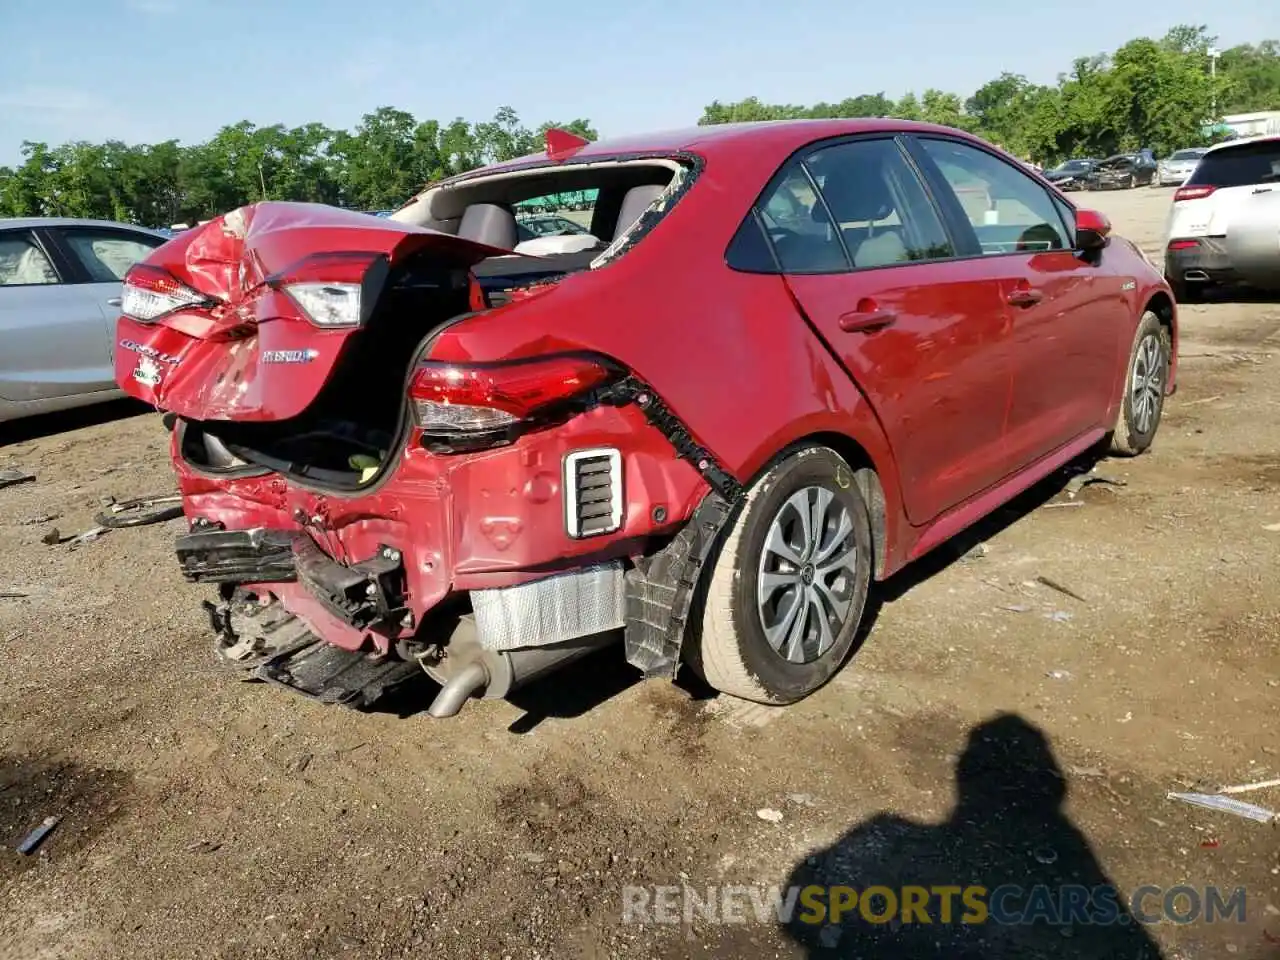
x=867, y=474
x=1162, y=304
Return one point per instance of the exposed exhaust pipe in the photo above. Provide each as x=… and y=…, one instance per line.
x=1195, y=275
x=468, y=670
x=458, y=689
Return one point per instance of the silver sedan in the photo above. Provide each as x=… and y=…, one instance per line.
x=59, y=293
x=1174, y=169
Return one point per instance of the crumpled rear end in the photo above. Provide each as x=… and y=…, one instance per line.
x=244, y=349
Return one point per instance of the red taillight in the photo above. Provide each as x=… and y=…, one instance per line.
x=452, y=398
x=341, y=267
x=1183, y=244
x=152, y=292
x=1193, y=193
x=334, y=290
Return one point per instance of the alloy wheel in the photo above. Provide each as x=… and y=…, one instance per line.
x=805, y=582
x=1146, y=388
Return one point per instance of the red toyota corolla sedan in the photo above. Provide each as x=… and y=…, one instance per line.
x=780, y=361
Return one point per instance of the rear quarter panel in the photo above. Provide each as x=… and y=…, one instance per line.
x=727, y=351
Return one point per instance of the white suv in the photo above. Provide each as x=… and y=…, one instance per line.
x=1224, y=226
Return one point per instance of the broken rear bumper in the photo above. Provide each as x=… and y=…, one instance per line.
x=211, y=555
x=438, y=528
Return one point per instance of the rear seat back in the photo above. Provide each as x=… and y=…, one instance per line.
x=635, y=202
x=490, y=224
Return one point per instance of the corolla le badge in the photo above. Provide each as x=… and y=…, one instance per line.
x=289, y=356
x=150, y=352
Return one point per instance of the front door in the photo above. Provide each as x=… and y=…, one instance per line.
x=1065, y=312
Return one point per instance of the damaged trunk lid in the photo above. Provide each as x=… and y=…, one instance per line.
x=246, y=317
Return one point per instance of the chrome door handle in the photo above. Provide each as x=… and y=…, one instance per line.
x=860, y=321
x=114, y=301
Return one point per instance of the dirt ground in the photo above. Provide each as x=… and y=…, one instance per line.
x=204, y=817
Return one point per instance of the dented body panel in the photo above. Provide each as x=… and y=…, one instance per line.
x=463, y=523
x=252, y=355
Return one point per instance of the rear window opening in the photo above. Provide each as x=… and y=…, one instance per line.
x=555, y=220
x=1242, y=165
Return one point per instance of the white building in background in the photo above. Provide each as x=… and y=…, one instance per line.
x=1253, y=124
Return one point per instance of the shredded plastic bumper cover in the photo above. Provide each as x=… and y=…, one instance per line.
x=237, y=556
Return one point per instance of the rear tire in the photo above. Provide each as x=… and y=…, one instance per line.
x=785, y=595
x=1146, y=378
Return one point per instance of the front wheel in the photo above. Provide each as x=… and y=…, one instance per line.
x=1146, y=378
x=786, y=594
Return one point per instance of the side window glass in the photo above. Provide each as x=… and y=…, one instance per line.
x=1010, y=212
x=749, y=250
x=22, y=263
x=803, y=236
x=880, y=206
x=108, y=256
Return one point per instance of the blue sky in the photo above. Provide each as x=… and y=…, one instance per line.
x=148, y=70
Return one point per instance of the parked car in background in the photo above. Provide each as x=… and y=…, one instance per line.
x=1174, y=169
x=60, y=289
x=1071, y=175
x=542, y=233
x=1224, y=225
x=422, y=450
x=547, y=225
x=1123, y=171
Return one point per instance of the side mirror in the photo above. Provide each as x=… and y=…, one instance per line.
x=1092, y=230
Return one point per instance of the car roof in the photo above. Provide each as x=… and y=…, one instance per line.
x=32, y=223
x=1243, y=141
x=772, y=135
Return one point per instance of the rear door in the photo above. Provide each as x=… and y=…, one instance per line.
x=102, y=256
x=52, y=334
x=867, y=257
x=1065, y=312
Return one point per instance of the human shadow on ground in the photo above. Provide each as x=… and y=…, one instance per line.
x=1007, y=834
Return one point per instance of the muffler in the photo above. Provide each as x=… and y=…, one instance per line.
x=466, y=669
x=1195, y=275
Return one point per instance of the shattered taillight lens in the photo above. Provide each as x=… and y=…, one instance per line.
x=464, y=398
x=152, y=292
x=334, y=290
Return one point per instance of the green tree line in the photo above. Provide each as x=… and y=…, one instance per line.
x=378, y=165
x=1159, y=94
